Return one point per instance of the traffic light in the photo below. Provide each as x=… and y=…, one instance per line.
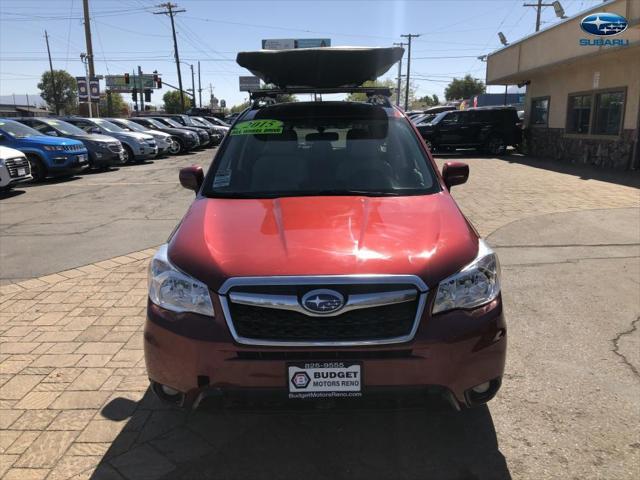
x=147, y=95
x=134, y=95
x=159, y=83
x=156, y=79
x=126, y=78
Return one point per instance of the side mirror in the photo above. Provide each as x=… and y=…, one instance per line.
x=95, y=130
x=1, y=137
x=52, y=133
x=455, y=173
x=192, y=177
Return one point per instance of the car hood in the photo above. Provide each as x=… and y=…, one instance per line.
x=6, y=152
x=141, y=137
x=158, y=134
x=422, y=235
x=94, y=137
x=49, y=140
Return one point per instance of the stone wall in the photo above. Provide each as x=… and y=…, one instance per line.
x=552, y=143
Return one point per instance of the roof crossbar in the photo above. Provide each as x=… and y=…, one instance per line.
x=273, y=92
x=376, y=95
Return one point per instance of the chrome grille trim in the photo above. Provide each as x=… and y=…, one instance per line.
x=355, y=302
x=285, y=303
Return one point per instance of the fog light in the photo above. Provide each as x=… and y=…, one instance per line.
x=482, y=388
x=171, y=392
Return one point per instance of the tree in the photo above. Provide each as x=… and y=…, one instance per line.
x=66, y=88
x=119, y=107
x=461, y=88
x=172, y=101
x=362, y=97
x=239, y=108
x=429, y=101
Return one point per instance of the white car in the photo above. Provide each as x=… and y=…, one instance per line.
x=14, y=168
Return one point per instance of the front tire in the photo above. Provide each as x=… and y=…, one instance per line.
x=496, y=145
x=38, y=170
x=128, y=154
x=176, y=147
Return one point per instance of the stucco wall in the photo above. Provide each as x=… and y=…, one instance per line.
x=556, y=45
x=617, y=69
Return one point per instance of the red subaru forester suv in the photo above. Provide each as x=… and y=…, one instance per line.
x=324, y=257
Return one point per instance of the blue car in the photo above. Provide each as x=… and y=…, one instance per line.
x=48, y=156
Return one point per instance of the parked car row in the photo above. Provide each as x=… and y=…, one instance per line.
x=52, y=146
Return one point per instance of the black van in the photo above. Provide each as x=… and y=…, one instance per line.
x=491, y=129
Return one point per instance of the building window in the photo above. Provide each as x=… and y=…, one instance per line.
x=608, y=113
x=540, y=111
x=579, y=113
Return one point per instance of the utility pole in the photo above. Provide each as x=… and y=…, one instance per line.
x=87, y=36
x=141, y=89
x=199, y=87
x=409, y=36
x=557, y=7
x=53, y=78
x=193, y=88
x=210, y=96
x=399, y=44
x=171, y=12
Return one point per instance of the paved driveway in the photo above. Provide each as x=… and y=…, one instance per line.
x=74, y=404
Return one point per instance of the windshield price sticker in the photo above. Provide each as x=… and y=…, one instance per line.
x=258, y=127
x=222, y=179
x=324, y=379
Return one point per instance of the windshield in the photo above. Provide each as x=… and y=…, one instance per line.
x=198, y=123
x=203, y=122
x=425, y=119
x=170, y=122
x=108, y=126
x=151, y=122
x=332, y=151
x=217, y=121
x=64, y=127
x=17, y=130
x=128, y=124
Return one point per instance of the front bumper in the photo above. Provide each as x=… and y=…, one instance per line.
x=62, y=162
x=106, y=158
x=453, y=351
x=144, y=152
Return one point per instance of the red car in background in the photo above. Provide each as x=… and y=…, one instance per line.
x=324, y=257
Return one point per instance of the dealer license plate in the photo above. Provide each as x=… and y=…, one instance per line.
x=82, y=158
x=324, y=379
x=22, y=171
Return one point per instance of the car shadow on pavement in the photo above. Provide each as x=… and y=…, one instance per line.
x=162, y=442
x=4, y=194
x=51, y=181
x=585, y=172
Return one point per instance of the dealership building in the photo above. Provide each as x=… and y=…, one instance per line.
x=583, y=90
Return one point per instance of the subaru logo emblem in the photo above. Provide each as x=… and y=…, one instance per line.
x=322, y=301
x=604, y=24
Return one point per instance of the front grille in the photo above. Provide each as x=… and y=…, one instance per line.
x=13, y=164
x=368, y=324
x=73, y=148
x=115, y=147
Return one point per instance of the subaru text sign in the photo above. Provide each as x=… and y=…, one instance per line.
x=249, y=83
x=603, y=25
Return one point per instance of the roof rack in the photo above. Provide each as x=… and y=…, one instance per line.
x=376, y=95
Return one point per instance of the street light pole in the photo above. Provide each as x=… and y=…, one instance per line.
x=85, y=60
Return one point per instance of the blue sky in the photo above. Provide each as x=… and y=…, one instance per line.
x=127, y=34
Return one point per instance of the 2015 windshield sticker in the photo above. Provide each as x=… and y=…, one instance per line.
x=222, y=179
x=258, y=127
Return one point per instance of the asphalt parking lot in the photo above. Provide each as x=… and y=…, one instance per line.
x=70, y=222
x=73, y=392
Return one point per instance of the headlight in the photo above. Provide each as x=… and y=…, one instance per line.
x=54, y=148
x=476, y=284
x=173, y=290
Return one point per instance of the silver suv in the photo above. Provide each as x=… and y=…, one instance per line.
x=137, y=146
